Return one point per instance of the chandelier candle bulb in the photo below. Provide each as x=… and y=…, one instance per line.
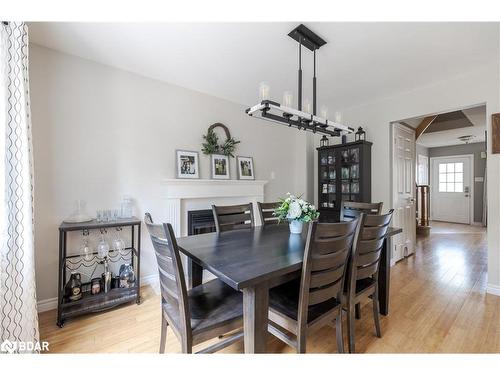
x=307, y=106
x=338, y=117
x=324, y=112
x=287, y=99
x=264, y=91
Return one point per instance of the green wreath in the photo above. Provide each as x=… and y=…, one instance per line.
x=211, y=144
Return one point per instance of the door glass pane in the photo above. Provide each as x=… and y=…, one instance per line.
x=442, y=177
x=459, y=177
x=459, y=167
x=450, y=187
x=442, y=187
x=459, y=187
x=450, y=167
x=451, y=177
x=442, y=168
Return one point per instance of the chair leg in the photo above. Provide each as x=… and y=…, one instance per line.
x=163, y=337
x=301, y=343
x=187, y=347
x=339, y=333
x=376, y=313
x=350, y=329
x=357, y=310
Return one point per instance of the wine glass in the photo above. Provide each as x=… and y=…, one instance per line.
x=86, y=250
x=102, y=248
x=118, y=244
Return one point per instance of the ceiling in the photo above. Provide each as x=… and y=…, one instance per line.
x=361, y=61
x=447, y=127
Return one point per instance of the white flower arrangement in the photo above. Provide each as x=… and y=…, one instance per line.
x=295, y=208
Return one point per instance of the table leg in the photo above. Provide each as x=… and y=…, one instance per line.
x=384, y=277
x=195, y=273
x=255, y=318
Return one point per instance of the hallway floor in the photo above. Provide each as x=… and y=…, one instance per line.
x=438, y=304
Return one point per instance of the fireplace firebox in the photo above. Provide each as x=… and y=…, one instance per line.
x=200, y=221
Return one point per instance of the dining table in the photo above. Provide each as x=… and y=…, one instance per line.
x=256, y=259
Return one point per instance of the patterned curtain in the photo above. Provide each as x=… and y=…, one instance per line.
x=18, y=312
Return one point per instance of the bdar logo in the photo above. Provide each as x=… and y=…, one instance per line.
x=8, y=346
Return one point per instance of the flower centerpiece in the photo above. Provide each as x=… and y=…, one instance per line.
x=297, y=211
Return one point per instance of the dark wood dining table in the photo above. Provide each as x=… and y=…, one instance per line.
x=255, y=260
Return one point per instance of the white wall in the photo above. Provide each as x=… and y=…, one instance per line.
x=100, y=133
x=478, y=87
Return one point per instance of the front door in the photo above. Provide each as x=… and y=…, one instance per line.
x=403, y=191
x=450, y=189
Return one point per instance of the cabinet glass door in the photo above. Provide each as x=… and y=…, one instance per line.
x=350, y=174
x=328, y=176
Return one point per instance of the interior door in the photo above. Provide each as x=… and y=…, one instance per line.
x=450, y=189
x=403, y=191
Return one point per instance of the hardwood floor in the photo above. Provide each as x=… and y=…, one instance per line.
x=438, y=304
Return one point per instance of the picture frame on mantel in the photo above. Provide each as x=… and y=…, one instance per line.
x=220, y=167
x=187, y=163
x=245, y=167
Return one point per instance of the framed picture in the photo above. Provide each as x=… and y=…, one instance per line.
x=220, y=167
x=187, y=164
x=245, y=168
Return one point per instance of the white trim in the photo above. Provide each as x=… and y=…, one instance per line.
x=471, y=182
x=47, y=304
x=51, y=303
x=493, y=289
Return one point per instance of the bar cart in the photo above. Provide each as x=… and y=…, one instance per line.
x=89, y=302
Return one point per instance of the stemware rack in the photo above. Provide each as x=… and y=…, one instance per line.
x=74, y=262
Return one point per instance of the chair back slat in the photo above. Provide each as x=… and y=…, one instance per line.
x=324, y=245
x=266, y=212
x=233, y=217
x=325, y=259
x=319, y=295
x=323, y=262
x=171, y=275
x=368, y=258
x=351, y=210
x=367, y=246
x=364, y=272
x=321, y=278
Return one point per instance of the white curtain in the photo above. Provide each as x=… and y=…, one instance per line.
x=18, y=312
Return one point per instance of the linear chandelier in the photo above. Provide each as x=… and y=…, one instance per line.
x=297, y=118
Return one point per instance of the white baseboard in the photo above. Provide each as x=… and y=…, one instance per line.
x=51, y=303
x=47, y=304
x=493, y=289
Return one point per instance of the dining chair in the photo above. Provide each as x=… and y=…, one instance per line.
x=200, y=314
x=363, y=270
x=350, y=210
x=301, y=306
x=233, y=217
x=266, y=211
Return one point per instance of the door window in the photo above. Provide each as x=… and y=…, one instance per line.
x=451, y=177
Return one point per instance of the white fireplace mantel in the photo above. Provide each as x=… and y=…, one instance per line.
x=183, y=194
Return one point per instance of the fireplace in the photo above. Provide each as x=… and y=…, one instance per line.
x=200, y=221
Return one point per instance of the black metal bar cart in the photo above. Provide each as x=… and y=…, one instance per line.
x=89, y=302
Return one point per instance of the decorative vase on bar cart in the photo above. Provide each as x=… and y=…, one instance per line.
x=296, y=211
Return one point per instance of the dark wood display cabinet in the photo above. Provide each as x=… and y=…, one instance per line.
x=344, y=174
x=89, y=302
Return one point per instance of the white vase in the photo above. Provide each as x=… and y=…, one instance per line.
x=295, y=226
